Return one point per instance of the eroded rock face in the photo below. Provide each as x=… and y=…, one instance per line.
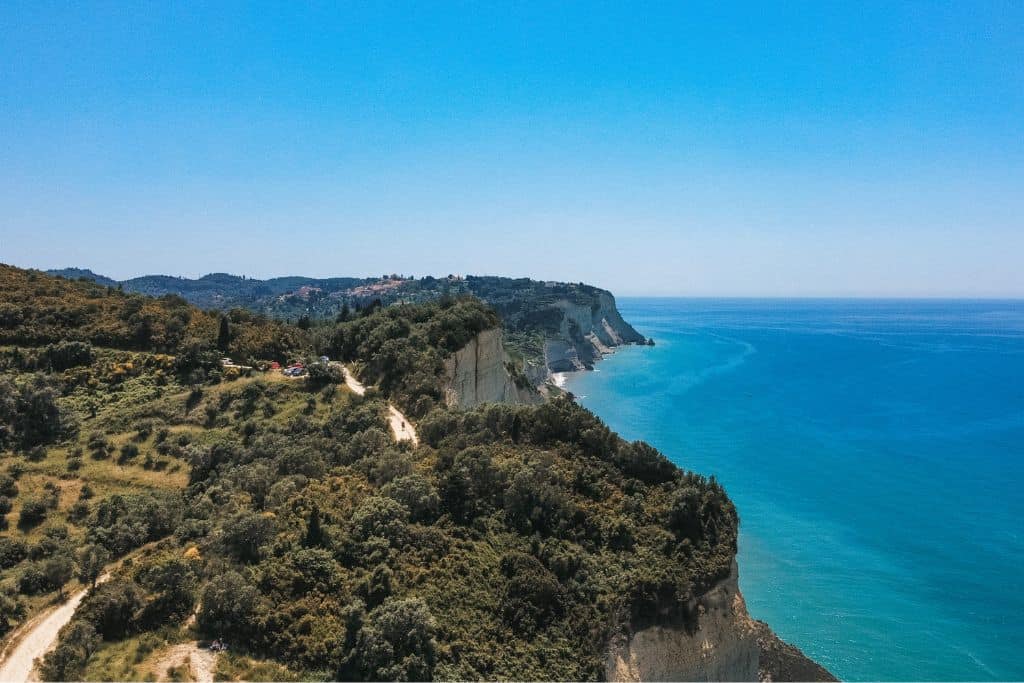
x=726, y=645
x=586, y=333
x=477, y=373
x=722, y=647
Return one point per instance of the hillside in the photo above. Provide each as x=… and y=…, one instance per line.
x=548, y=326
x=515, y=541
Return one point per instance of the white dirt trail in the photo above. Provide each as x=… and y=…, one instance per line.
x=37, y=637
x=201, y=662
x=400, y=426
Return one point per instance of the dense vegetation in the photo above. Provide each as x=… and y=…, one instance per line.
x=511, y=543
x=531, y=311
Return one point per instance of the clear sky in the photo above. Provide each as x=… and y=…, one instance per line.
x=818, y=148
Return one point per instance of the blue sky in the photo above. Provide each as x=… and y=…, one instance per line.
x=793, y=149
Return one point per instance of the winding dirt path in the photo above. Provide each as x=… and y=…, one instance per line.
x=351, y=382
x=201, y=662
x=36, y=637
x=400, y=426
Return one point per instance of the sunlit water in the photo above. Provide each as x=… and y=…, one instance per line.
x=875, y=451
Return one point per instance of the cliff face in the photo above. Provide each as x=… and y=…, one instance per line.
x=725, y=645
x=479, y=373
x=586, y=333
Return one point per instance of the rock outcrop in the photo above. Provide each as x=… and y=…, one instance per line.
x=723, y=643
x=479, y=373
x=587, y=332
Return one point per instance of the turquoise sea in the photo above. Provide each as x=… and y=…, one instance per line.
x=875, y=451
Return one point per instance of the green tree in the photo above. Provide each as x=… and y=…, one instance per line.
x=91, y=561
x=66, y=662
x=58, y=570
x=228, y=604
x=314, y=532
x=397, y=642
x=223, y=334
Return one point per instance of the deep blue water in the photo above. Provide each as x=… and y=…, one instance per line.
x=875, y=451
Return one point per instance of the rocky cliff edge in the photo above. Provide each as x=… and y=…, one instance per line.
x=481, y=372
x=722, y=644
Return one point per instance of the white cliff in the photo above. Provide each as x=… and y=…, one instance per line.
x=479, y=373
x=721, y=643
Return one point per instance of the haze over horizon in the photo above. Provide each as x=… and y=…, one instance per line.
x=805, y=150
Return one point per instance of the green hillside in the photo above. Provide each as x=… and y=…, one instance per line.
x=511, y=543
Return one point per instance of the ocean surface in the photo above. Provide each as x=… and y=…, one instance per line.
x=875, y=451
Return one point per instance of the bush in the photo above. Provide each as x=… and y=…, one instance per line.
x=417, y=494
x=66, y=662
x=8, y=486
x=129, y=452
x=228, y=606
x=33, y=512
x=12, y=551
x=380, y=517
x=397, y=642
x=245, y=533
x=111, y=607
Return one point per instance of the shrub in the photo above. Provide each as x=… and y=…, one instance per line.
x=67, y=661
x=129, y=452
x=228, y=604
x=33, y=512
x=417, y=494
x=244, y=534
x=381, y=517
x=12, y=551
x=111, y=607
x=397, y=642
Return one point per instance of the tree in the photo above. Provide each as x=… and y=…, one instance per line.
x=381, y=517
x=416, y=493
x=397, y=642
x=112, y=607
x=345, y=314
x=174, y=582
x=246, y=532
x=223, y=334
x=532, y=596
x=314, y=533
x=58, y=570
x=67, y=661
x=228, y=603
x=91, y=561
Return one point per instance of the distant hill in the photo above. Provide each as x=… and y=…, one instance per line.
x=549, y=326
x=83, y=274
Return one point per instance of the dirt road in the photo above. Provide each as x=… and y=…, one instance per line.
x=400, y=426
x=37, y=637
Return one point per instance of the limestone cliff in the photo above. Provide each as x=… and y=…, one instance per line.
x=587, y=331
x=479, y=373
x=723, y=643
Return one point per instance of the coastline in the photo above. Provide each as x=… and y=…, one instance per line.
x=850, y=414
